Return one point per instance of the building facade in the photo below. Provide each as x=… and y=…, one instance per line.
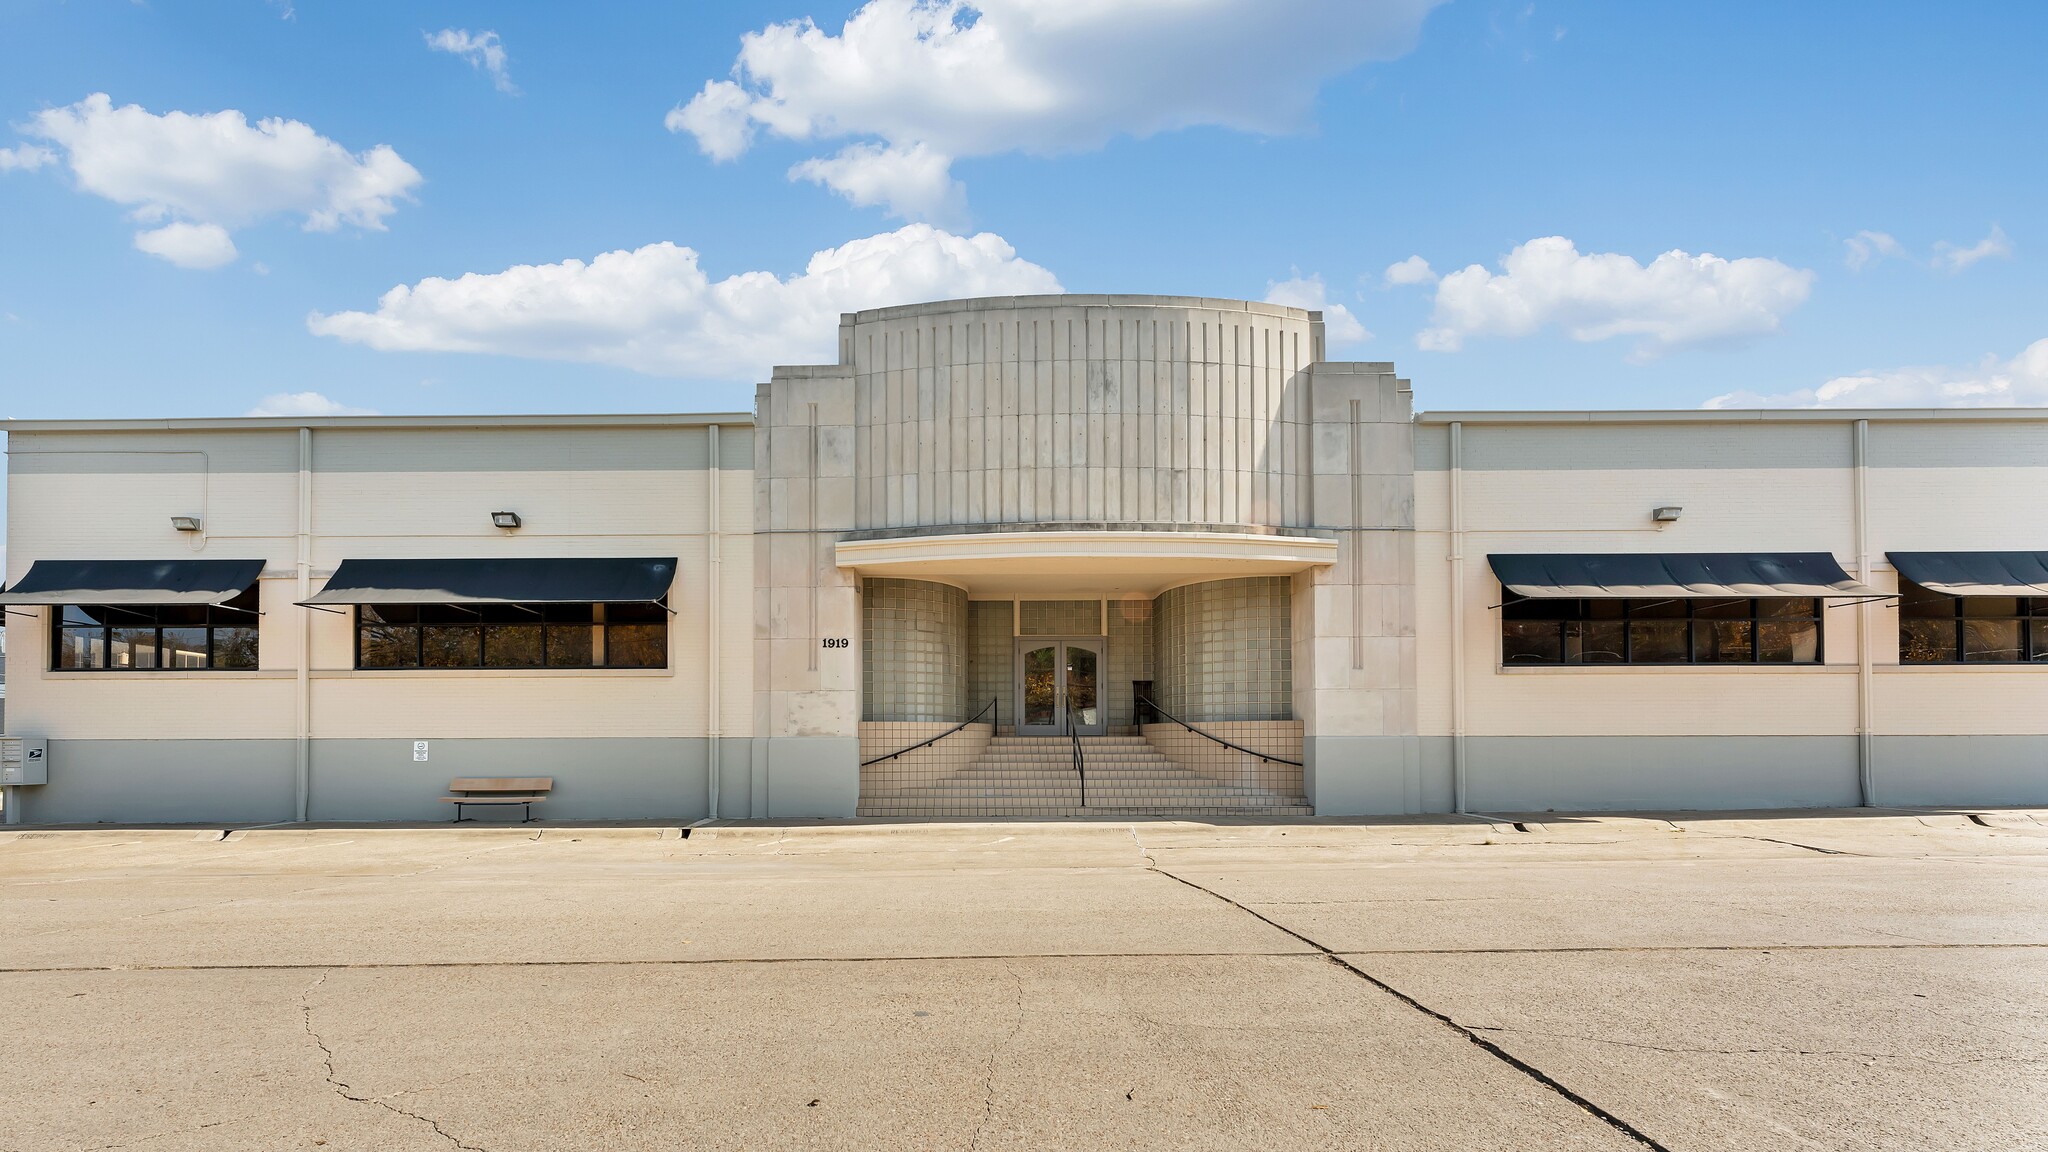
x=1033, y=556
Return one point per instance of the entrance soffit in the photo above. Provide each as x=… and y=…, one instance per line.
x=1051, y=564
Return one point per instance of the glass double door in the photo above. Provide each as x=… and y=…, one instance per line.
x=1059, y=683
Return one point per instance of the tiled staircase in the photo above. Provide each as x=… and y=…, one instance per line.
x=1034, y=776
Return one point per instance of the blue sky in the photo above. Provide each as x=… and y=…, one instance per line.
x=1866, y=178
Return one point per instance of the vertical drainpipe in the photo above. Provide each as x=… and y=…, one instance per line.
x=303, y=757
x=1457, y=559
x=714, y=624
x=1865, y=744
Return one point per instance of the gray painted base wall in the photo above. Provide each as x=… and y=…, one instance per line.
x=1366, y=776
x=1960, y=771
x=1619, y=773
x=164, y=782
x=811, y=775
x=601, y=779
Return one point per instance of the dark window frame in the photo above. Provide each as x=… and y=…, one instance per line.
x=240, y=613
x=2030, y=613
x=1569, y=611
x=594, y=629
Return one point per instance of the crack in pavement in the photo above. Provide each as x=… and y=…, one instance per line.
x=1495, y=1050
x=341, y=1087
x=141, y=1140
x=988, y=1079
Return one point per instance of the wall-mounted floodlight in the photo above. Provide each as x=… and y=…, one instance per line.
x=1666, y=514
x=185, y=523
x=505, y=519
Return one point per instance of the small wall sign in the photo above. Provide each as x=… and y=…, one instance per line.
x=419, y=750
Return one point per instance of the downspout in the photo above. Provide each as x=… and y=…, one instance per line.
x=714, y=624
x=303, y=758
x=1457, y=559
x=1865, y=744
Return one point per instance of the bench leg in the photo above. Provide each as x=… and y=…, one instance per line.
x=529, y=814
x=458, y=813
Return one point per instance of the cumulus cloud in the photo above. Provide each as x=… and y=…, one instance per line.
x=26, y=158
x=1866, y=248
x=483, y=50
x=964, y=78
x=303, y=404
x=1954, y=258
x=654, y=310
x=218, y=170
x=871, y=174
x=1993, y=382
x=1678, y=299
x=1339, y=325
x=1413, y=270
x=188, y=245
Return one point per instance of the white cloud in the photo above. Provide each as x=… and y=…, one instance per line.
x=870, y=174
x=188, y=245
x=1951, y=258
x=26, y=158
x=1413, y=270
x=1677, y=300
x=483, y=50
x=303, y=404
x=217, y=169
x=1866, y=248
x=1992, y=383
x=1339, y=325
x=963, y=78
x=654, y=310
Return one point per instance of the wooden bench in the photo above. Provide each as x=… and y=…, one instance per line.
x=522, y=790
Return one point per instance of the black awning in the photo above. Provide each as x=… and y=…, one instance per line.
x=512, y=580
x=1691, y=575
x=1975, y=573
x=133, y=582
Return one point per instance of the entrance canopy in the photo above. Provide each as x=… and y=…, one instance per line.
x=1082, y=563
x=1683, y=575
x=133, y=582
x=508, y=580
x=1975, y=573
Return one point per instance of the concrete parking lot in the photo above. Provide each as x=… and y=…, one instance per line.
x=1803, y=980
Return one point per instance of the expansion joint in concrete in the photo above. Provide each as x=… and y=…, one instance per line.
x=1472, y=1035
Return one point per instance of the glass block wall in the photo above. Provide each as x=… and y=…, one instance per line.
x=1060, y=618
x=991, y=656
x=913, y=651
x=1223, y=650
x=1130, y=656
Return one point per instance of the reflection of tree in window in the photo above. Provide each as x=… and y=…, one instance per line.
x=156, y=637
x=1719, y=630
x=512, y=636
x=1938, y=629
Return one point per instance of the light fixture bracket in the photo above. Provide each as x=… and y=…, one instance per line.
x=506, y=520
x=185, y=523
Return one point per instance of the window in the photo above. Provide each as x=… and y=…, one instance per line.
x=155, y=637
x=1771, y=630
x=512, y=636
x=1939, y=629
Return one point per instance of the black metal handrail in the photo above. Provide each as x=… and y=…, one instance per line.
x=1080, y=760
x=1220, y=740
x=996, y=723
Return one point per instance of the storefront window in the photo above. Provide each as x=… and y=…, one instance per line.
x=153, y=637
x=1939, y=629
x=1773, y=630
x=512, y=636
